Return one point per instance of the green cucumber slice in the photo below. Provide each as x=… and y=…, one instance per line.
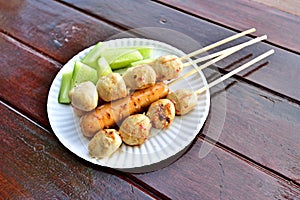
x=65, y=87
x=104, y=68
x=121, y=71
x=82, y=73
x=121, y=57
x=145, y=51
x=140, y=62
x=91, y=58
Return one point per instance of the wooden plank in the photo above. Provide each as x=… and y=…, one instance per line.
x=257, y=124
x=26, y=80
x=9, y=49
x=56, y=29
x=150, y=14
x=280, y=26
x=289, y=6
x=34, y=161
x=262, y=112
x=217, y=176
x=49, y=27
x=35, y=165
x=37, y=82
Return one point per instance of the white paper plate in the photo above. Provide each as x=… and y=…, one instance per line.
x=163, y=144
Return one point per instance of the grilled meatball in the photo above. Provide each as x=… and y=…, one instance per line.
x=84, y=97
x=140, y=77
x=104, y=143
x=161, y=113
x=184, y=101
x=111, y=87
x=79, y=112
x=135, y=129
x=167, y=67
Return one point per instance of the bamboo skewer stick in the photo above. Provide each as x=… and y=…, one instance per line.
x=218, y=43
x=213, y=61
x=239, y=47
x=237, y=70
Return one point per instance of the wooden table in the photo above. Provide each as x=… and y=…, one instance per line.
x=256, y=156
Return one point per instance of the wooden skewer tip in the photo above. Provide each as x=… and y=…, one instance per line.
x=237, y=70
x=209, y=47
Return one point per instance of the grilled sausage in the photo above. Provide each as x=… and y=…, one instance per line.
x=109, y=114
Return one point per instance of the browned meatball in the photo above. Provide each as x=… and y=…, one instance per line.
x=161, y=113
x=184, y=101
x=84, y=97
x=104, y=143
x=135, y=129
x=140, y=77
x=167, y=67
x=111, y=87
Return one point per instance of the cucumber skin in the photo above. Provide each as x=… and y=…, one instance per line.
x=104, y=68
x=91, y=58
x=127, y=55
x=90, y=74
x=125, y=60
x=145, y=51
x=65, y=87
x=141, y=62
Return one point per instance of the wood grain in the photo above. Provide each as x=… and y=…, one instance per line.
x=259, y=125
x=49, y=27
x=150, y=14
x=261, y=112
x=216, y=176
x=27, y=79
x=35, y=165
x=280, y=26
x=35, y=84
x=257, y=156
x=34, y=161
x=289, y=6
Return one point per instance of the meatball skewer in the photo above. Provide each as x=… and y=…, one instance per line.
x=186, y=100
x=226, y=53
x=216, y=44
x=136, y=128
x=169, y=67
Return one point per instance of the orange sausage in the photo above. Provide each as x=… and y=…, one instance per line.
x=110, y=114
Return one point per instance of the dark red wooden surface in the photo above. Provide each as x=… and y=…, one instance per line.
x=256, y=155
x=280, y=26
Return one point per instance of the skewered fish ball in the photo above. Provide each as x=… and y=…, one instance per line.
x=84, y=96
x=135, y=129
x=140, y=77
x=167, y=67
x=111, y=87
x=184, y=101
x=161, y=113
x=104, y=143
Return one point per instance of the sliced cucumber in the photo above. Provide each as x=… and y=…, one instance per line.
x=104, y=68
x=121, y=57
x=65, y=87
x=82, y=73
x=91, y=59
x=121, y=71
x=140, y=62
x=145, y=51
